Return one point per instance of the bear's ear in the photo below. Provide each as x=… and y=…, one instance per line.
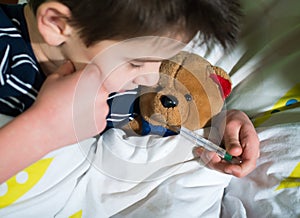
x=223, y=80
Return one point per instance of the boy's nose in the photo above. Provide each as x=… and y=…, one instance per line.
x=150, y=79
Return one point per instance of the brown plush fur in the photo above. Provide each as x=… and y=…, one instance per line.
x=186, y=81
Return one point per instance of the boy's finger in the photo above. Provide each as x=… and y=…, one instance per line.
x=232, y=142
x=208, y=157
x=250, y=142
x=240, y=170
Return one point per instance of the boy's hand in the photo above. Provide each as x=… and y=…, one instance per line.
x=240, y=139
x=72, y=105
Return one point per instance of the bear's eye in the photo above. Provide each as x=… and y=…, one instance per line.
x=188, y=97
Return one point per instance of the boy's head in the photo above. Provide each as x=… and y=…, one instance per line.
x=98, y=20
x=128, y=37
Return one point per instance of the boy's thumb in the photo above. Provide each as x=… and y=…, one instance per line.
x=65, y=69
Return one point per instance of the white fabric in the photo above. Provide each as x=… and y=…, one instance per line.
x=120, y=185
x=133, y=177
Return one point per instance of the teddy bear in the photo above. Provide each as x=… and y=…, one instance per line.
x=189, y=93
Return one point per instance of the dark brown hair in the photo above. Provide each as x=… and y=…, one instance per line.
x=96, y=20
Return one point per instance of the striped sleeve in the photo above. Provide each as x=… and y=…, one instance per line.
x=20, y=77
x=121, y=108
x=17, y=91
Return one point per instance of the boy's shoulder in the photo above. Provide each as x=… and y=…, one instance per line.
x=10, y=14
x=14, y=37
x=12, y=22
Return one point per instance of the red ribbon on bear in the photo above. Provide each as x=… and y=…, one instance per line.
x=224, y=84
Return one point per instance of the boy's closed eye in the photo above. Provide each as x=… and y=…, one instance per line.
x=136, y=64
x=140, y=62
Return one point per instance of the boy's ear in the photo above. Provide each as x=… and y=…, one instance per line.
x=52, y=22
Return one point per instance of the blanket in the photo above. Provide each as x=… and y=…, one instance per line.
x=116, y=176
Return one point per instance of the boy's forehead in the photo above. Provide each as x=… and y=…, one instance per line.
x=144, y=48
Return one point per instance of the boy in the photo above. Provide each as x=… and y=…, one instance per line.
x=36, y=39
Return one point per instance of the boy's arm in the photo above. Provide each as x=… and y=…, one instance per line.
x=23, y=141
x=70, y=107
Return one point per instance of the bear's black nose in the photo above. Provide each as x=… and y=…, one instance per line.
x=168, y=101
